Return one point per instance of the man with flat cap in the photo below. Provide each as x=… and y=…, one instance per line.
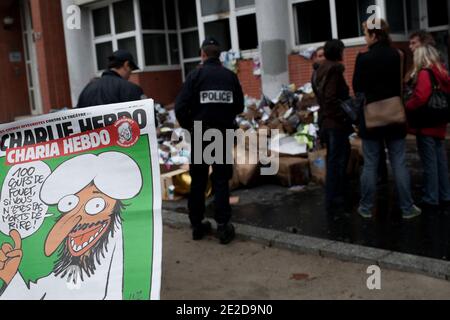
x=211, y=96
x=113, y=86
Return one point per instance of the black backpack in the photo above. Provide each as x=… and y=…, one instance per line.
x=437, y=110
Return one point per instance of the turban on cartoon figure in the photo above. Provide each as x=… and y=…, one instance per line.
x=88, y=191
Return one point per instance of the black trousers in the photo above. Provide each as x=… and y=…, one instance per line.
x=222, y=173
x=338, y=154
x=220, y=178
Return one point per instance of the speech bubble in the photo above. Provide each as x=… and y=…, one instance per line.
x=20, y=203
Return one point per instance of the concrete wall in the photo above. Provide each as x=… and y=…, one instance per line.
x=162, y=86
x=275, y=45
x=80, y=56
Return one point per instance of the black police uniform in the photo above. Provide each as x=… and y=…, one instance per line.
x=110, y=88
x=213, y=95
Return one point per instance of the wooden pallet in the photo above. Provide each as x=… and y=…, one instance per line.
x=167, y=180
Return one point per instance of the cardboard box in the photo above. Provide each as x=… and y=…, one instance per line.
x=318, y=165
x=234, y=182
x=163, y=169
x=167, y=180
x=288, y=146
x=293, y=172
x=247, y=173
x=356, y=144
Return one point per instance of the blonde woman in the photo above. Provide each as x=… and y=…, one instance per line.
x=428, y=68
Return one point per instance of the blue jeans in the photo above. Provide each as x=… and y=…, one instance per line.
x=435, y=165
x=338, y=154
x=371, y=150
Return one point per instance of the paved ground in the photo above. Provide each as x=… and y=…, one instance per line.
x=273, y=207
x=247, y=270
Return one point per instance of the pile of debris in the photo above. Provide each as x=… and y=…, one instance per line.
x=294, y=114
x=173, y=148
x=291, y=124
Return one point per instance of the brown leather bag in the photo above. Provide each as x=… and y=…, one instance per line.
x=386, y=112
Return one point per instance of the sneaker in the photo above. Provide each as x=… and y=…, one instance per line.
x=364, y=214
x=200, y=231
x=413, y=213
x=226, y=233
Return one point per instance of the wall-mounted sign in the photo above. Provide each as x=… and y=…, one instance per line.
x=15, y=56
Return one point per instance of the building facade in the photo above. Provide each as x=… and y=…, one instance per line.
x=50, y=49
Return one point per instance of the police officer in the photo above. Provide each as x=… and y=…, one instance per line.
x=213, y=96
x=113, y=86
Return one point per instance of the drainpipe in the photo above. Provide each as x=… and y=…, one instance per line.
x=275, y=46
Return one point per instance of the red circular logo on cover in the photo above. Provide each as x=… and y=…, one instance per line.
x=128, y=132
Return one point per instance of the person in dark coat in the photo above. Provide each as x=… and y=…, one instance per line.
x=211, y=97
x=335, y=127
x=113, y=86
x=318, y=57
x=378, y=76
x=430, y=140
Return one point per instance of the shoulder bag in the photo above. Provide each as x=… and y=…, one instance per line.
x=386, y=112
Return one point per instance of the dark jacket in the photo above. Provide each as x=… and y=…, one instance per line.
x=314, y=77
x=331, y=89
x=110, y=88
x=377, y=75
x=423, y=90
x=211, y=94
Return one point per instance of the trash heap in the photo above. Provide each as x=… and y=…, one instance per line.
x=174, y=154
x=294, y=113
x=173, y=148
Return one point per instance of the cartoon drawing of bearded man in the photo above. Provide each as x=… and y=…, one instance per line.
x=88, y=191
x=125, y=132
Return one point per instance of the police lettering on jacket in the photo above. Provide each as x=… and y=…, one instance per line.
x=211, y=94
x=216, y=96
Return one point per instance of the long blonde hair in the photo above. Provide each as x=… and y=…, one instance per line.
x=426, y=57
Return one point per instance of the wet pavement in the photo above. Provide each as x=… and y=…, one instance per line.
x=302, y=212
